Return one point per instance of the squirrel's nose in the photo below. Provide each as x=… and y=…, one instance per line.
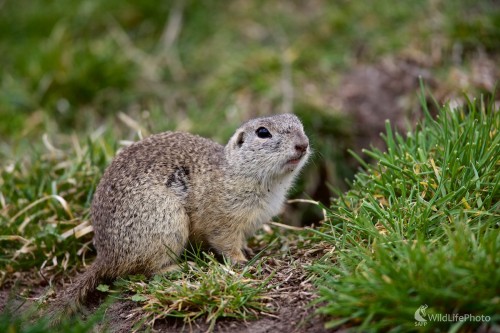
x=301, y=147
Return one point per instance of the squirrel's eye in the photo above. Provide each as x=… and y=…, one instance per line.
x=263, y=133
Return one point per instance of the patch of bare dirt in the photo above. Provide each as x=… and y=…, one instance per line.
x=20, y=290
x=370, y=94
x=5, y=296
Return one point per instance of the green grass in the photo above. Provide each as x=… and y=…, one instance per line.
x=28, y=322
x=71, y=66
x=428, y=211
x=420, y=227
x=43, y=198
x=104, y=56
x=204, y=289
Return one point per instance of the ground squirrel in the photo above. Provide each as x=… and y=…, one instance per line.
x=171, y=188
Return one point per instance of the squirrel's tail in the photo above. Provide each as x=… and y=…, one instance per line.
x=70, y=300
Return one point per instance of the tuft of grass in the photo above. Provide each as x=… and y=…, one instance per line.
x=420, y=227
x=392, y=281
x=44, y=206
x=206, y=289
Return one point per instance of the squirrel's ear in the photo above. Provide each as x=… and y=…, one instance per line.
x=239, y=139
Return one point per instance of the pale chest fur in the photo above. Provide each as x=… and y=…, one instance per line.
x=265, y=204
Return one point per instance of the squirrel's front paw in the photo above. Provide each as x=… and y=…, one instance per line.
x=237, y=258
x=248, y=252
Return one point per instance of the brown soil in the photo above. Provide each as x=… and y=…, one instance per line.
x=294, y=315
x=370, y=94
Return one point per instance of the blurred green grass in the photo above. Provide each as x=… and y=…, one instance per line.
x=113, y=70
x=75, y=64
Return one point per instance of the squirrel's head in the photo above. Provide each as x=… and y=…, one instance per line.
x=269, y=147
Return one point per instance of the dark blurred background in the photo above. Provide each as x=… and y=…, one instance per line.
x=116, y=70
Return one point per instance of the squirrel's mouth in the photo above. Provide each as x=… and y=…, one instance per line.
x=295, y=159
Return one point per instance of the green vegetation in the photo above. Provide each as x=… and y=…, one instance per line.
x=74, y=66
x=45, y=201
x=417, y=227
x=420, y=227
x=12, y=322
x=206, y=289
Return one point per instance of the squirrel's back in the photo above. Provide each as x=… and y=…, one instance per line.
x=153, y=171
